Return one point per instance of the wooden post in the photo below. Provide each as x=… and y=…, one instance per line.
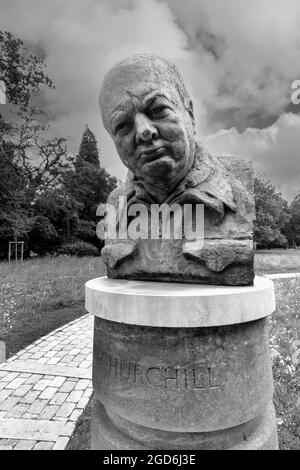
x=16, y=249
x=9, y=251
x=22, y=251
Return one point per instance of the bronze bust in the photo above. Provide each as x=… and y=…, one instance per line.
x=147, y=111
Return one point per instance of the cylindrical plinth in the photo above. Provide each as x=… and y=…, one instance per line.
x=181, y=366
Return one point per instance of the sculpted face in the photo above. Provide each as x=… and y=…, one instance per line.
x=152, y=130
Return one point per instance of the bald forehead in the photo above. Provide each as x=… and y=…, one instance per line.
x=137, y=76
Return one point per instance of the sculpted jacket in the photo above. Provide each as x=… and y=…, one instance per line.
x=225, y=187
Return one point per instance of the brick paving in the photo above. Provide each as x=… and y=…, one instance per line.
x=45, y=387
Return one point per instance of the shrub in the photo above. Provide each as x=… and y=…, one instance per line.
x=78, y=248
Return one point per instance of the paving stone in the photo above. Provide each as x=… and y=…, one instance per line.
x=50, y=353
x=21, y=391
x=65, y=410
x=82, y=384
x=83, y=402
x=48, y=412
x=10, y=376
x=42, y=384
x=74, y=396
x=75, y=415
x=36, y=355
x=58, y=398
x=67, y=386
x=30, y=397
x=37, y=406
x=9, y=403
x=42, y=360
x=48, y=393
x=33, y=379
x=15, y=383
x=5, y=447
x=38, y=430
x=69, y=428
x=25, y=445
x=44, y=445
x=53, y=360
x=61, y=443
x=74, y=351
x=25, y=376
x=17, y=411
x=4, y=394
x=58, y=381
x=85, y=364
x=8, y=442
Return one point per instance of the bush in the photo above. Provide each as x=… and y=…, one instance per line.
x=78, y=248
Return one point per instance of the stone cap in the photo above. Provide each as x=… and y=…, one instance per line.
x=178, y=305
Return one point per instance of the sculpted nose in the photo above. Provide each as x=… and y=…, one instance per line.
x=145, y=130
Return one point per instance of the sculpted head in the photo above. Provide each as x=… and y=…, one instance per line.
x=148, y=113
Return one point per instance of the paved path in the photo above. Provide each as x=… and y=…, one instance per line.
x=45, y=387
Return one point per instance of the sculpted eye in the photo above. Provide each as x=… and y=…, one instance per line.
x=122, y=126
x=159, y=111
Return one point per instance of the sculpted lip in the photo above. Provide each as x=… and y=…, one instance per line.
x=152, y=154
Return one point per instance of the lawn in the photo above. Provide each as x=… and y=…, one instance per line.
x=41, y=295
x=277, y=261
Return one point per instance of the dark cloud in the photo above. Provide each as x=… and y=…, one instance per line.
x=238, y=59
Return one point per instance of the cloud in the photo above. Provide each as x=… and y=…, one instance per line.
x=274, y=150
x=81, y=40
x=237, y=58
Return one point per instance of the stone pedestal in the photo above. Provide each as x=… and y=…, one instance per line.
x=179, y=366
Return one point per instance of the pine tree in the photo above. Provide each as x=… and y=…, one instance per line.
x=89, y=184
x=88, y=150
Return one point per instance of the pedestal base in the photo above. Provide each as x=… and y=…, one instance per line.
x=180, y=366
x=261, y=434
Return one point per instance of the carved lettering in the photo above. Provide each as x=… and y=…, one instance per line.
x=202, y=378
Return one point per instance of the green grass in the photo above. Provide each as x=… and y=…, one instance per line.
x=41, y=295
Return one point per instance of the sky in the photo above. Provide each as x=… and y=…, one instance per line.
x=238, y=59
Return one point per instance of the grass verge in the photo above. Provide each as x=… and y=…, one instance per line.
x=41, y=295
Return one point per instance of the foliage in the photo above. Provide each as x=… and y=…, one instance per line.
x=22, y=72
x=79, y=249
x=88, y=183
x=292, y=228
x=88, y=150
x=285, y=352
x=272, y=215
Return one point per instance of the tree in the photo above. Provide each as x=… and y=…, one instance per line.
x=88, y=150
x=292, y=229
x=55, y=223
x=14, y=218
x=88, y=183
x=272, y=215
x=30, y=162
x=23, y=73
x=42, y=159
